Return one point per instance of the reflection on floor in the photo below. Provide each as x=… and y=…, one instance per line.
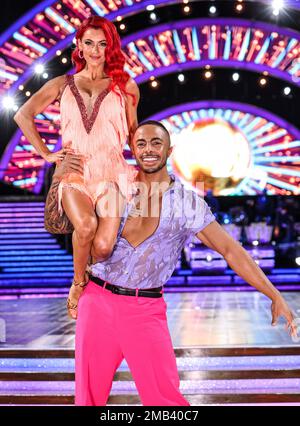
x=227, y=352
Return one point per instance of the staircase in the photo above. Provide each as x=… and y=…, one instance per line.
x=208, y=376
x=30, y=257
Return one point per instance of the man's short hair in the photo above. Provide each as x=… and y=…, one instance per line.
x=154, y=123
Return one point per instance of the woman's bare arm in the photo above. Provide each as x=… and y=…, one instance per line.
x=131, y=107
x=35, y=105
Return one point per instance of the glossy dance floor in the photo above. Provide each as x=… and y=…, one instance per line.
x=195, y=319
x=226, y=351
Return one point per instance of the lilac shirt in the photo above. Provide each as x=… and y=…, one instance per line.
x=183, y=214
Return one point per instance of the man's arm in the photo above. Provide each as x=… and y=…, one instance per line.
x=215, y=237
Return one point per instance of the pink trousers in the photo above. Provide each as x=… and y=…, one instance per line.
x=112, y=327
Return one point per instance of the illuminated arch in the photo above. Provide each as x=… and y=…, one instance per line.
x=18, y=155
x=274, y=143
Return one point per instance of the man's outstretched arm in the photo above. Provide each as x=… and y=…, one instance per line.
x=215, y=237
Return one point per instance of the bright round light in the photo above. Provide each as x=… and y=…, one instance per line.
x=58, y=52
x=208, y=74
x=64, y=60
x=154, y=83
x=8, y=102
x=150, y=7
x=255, y=243
x=45, y=75
x=235, y=76
x=153, y=16
x=276, y=12
x=209, y=258
x=122, y=27
x=297, y=260
x=181, y=78
x=262, y=81
x=39, y=69
x=212, y=10
x=28, y=93
x=277, y=4
x=186, y=9
x=287, y=90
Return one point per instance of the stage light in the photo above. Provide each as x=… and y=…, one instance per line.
x=28, y=93
x=277, y=5
x=255, y=243
x=181, y=78
x=154, y=84
x=263, y=81
x=239, y=7
x=21, y=87
x=45, y=75
x=287, y=90
x=153, y=16
x=8, y=102
x=64, y=60
x=150, y=7
x=122, y=27
x=119, y=18
x=58, y=52
x=235, y=76
x=39, y=69
x=186, y=9
x=297, y=260
x=209, y=258
x=212, y=10
x=208, y=75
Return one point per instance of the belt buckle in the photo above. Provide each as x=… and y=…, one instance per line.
x=115, y=290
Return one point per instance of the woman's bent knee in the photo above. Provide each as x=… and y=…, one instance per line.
x=102, y=249
x=86, y=229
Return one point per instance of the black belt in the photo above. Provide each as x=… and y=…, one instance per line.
x=150, y=292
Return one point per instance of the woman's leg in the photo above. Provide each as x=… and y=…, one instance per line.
x=79, y=209
x=109, y=209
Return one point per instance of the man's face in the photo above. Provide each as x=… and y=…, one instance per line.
x=151, y=148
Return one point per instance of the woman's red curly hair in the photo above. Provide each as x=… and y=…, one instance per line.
x=114, y=57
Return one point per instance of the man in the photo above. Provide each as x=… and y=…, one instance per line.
x=121, y=312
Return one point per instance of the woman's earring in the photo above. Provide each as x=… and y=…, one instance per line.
x=80, y=52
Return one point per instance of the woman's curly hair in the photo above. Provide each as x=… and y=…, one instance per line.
x=114, y=57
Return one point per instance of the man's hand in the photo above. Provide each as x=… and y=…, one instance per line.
x=279, y=308
x=72, y=163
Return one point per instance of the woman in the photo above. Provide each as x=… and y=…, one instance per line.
x=98, y=111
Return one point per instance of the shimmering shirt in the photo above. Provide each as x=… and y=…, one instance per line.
x=183, y=214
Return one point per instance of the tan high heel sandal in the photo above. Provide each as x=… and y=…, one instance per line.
x=82, y=284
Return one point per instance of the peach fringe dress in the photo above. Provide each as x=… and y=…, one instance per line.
x=101, y=137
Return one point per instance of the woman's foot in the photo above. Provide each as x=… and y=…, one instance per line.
x=75, y=292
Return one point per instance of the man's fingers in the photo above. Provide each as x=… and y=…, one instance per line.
x=274, y=318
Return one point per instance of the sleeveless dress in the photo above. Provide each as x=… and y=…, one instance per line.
x=101, y=137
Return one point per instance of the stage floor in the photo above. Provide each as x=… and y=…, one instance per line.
x=214, y=319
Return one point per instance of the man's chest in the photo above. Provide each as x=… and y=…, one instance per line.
x=141, y=224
